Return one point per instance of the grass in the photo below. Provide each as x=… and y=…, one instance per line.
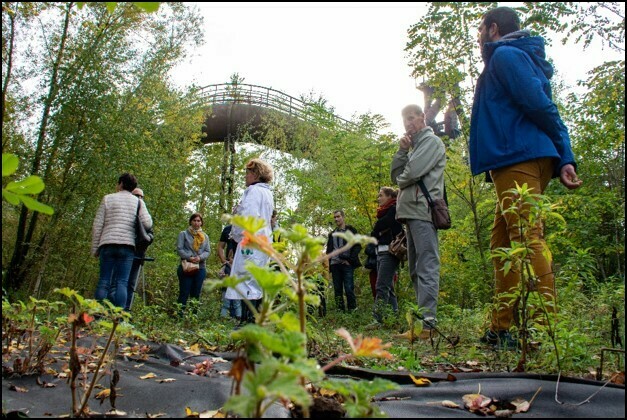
x=579, y=341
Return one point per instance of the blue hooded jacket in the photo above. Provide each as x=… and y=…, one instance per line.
x=514, y=118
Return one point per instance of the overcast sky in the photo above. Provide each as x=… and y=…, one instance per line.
x=352, y=54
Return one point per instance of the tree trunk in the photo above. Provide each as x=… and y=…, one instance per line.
x=7, y=77
x=15, y=271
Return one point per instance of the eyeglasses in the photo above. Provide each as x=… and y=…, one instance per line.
x=139, y=196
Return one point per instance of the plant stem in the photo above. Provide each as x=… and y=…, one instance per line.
x=95, y=377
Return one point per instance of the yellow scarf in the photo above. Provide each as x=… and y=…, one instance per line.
x=199, y=238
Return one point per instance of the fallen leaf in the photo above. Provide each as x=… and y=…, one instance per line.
x=166, y=380
x=451, y=378
x=420, y=381
x=148, y=376
x=503, y=413
x=522, y=406
x=475, y=402
x=44, y=384
x=103, y=395
x=154, y=416
x=618, y=378
x=190, y=413
x=116, y=412
x=450, y=404
x=209, y=414
x=18, y=388
x=327, y=393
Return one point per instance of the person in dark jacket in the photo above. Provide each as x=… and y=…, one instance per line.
x=516, y=137
x=384, y=230
x=342, y=266
x=138, y=261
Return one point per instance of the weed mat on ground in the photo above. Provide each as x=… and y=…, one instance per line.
x=166, y=380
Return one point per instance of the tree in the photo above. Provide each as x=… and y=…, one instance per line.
x=108, y=108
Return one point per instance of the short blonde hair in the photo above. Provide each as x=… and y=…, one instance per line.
x=262, y=169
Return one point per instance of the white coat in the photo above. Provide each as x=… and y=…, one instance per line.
x=257, y=201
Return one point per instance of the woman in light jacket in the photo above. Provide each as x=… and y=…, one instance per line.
x=192, y=245
x=113, y=239
x=257, y=201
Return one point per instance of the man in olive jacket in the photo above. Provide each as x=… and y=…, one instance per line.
x=421, y=156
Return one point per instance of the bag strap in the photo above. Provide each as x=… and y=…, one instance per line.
x=425, y=191
x=139, y=204
x=428, y=196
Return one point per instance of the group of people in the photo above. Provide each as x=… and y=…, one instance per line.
x=516, y=137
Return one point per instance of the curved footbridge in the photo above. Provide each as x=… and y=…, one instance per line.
x=239, y=107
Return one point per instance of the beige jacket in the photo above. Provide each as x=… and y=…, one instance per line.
x=426, y=160
x=115, y=220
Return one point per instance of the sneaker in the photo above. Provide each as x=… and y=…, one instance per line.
x=502, y=340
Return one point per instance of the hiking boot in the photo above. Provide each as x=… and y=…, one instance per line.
x=502, y=340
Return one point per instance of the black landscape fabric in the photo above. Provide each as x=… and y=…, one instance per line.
x=173, y=389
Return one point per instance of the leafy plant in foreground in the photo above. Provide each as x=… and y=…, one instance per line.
x=531, y=309
x=274, y=365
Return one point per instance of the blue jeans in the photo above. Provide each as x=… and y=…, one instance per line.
x=115, y=266
x=344, y=281
x=231, y=307
x=190, y=285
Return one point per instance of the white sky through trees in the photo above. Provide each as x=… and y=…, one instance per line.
x=351, y=54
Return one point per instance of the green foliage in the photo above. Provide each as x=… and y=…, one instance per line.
x=358, y=394
x=277, y=344
x=16, y=192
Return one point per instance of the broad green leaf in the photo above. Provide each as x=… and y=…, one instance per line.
x=10, y=162
x=11, y=197
x=249, y=223
x=35, y=205
x=270, y=280
x=289, y=322
x=30, y=185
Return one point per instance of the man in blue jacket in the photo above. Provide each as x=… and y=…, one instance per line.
x=516, y=137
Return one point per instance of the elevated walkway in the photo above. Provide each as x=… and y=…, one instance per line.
x=236, y=107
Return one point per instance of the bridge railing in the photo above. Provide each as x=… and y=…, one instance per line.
x=265, y=97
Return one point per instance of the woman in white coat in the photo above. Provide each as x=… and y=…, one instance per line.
x=257, y=201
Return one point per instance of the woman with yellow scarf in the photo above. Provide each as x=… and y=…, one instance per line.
x=192, y=246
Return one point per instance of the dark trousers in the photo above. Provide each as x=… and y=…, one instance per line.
x=344, y=282
x=248, y=316
x=133, y=278
x=190, y=285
